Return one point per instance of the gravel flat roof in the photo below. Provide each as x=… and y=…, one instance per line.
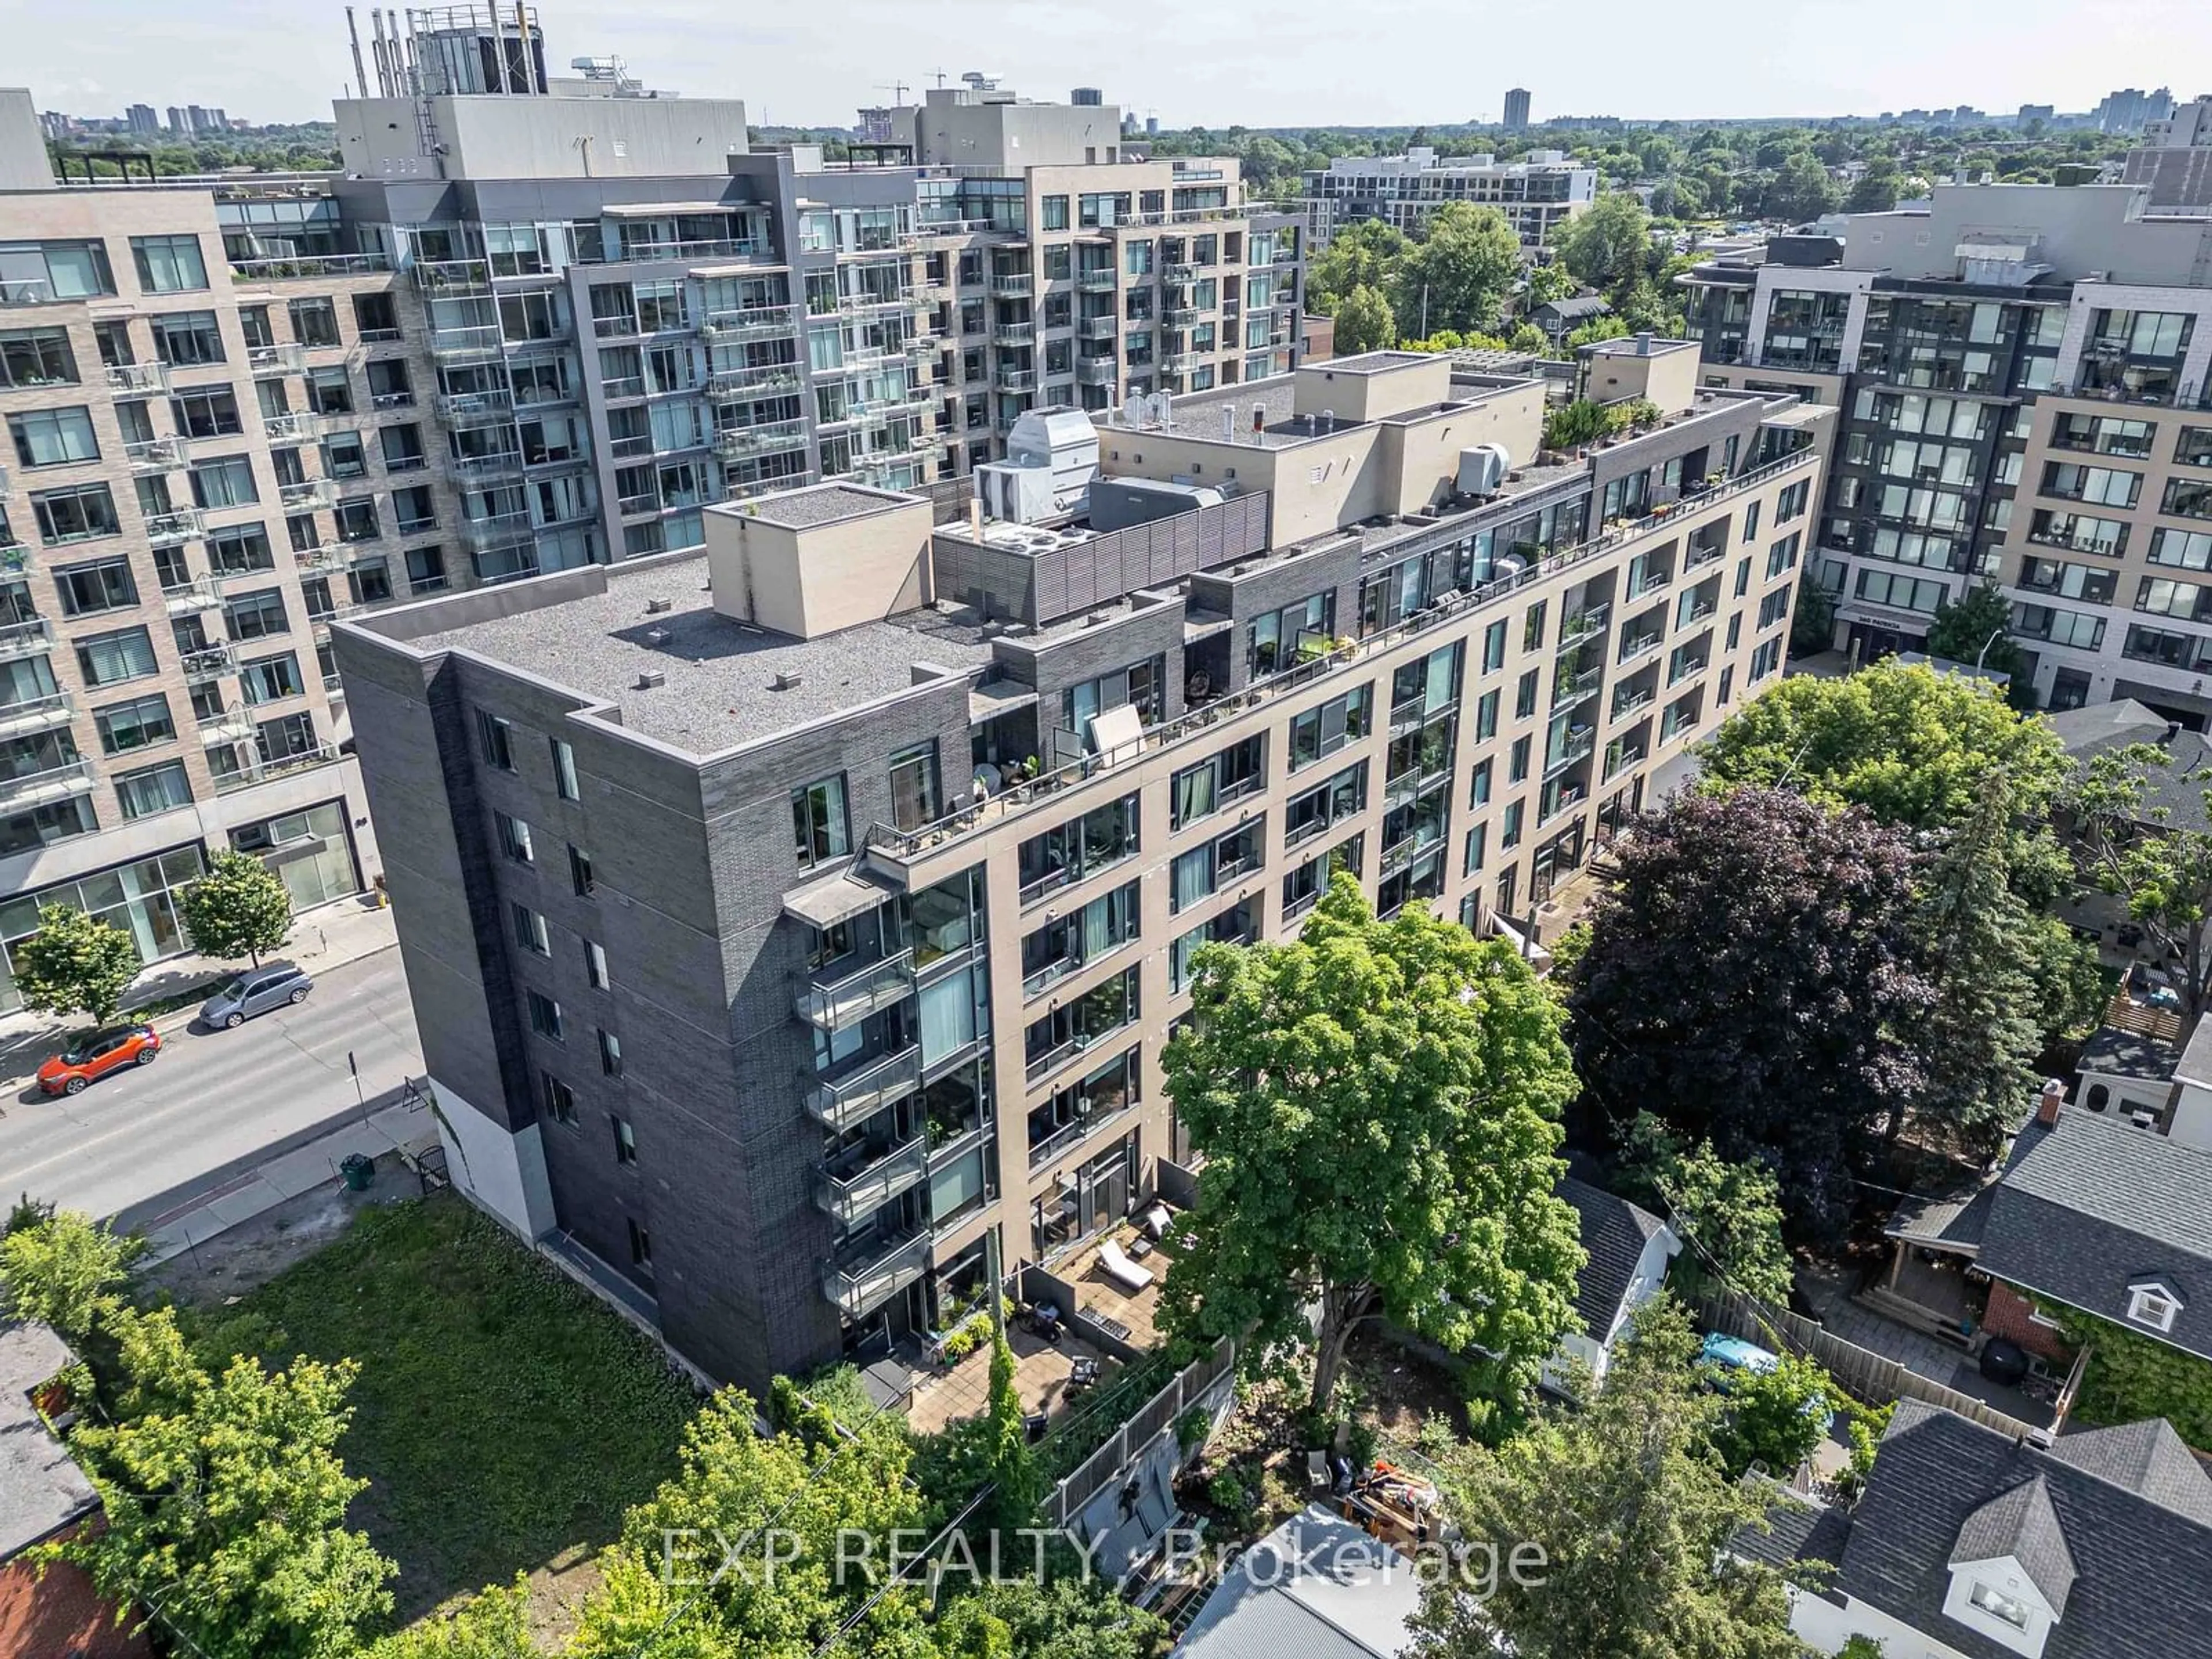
x=802, y=509
x=720, y=673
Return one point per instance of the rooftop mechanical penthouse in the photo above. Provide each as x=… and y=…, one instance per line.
x=785, y=916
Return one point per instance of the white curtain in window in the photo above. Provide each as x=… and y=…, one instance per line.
x=1194, y=876
x=948, y=1018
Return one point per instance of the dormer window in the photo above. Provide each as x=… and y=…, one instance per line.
x=2154, y=1304
x=1996, y=1603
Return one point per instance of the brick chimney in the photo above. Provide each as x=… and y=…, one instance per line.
x=2054, y=1096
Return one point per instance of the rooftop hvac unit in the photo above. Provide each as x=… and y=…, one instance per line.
x=1482, y=469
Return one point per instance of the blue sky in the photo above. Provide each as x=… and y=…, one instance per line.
x=1284, y=62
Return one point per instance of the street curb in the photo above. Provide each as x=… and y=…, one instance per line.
x=182, y=1020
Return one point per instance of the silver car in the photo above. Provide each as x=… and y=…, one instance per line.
x=255, y=991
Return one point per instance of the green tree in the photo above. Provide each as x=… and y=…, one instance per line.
x=1632, y=1510
x=239, y=908
x=1802, y=189
x=1062, y=1619
x=1459, y=274
x=1016, y=1484
x=1813, y=620
x=225, y=1502
x=1608, y=246
x=1874, y=190
x=1366, y=253
x=65, y=1271
x=1750, y=979
x=1729, y=1215
x=1598, y=328
x=493, y=1623
x=1775, y=1418
x=75, y=965
x=664, y=1590
x=1973, y=631
x=2131, y=847
x=1377, y=1105
x=1549, y=282
x=1364, y=322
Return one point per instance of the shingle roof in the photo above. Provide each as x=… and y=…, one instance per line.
x=41, y=1488
x=2148, y=1458
x=1577, y=306
x=1614, y=1232
x=2117, y=1053
x=2093, y=1204
x=2168, y=800
x=2142, y=1587
x=2022, y=1524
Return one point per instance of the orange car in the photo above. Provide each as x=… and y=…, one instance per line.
x=92, y=1055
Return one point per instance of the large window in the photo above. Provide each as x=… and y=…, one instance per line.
x=140, y=897
x=35, y=273
x=79, y=513
x=1073, y=851
x=111, y=658
x=54, y=437
x=818, y=820
x=139, y=724
x=916, y=799
x=1324, y=730
x=256, y=616
x=153, y=789
x=184, y=339
x=225, y=481
x=1213, y=783
x=33, y=357
x=168, y=264
x=266, y=679
x=104, y=584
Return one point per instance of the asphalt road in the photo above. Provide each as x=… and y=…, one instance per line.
x=215, y=1102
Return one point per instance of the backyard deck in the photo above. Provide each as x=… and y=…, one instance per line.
x=1040, y=1373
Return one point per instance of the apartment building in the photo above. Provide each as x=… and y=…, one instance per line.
x=1537, y=194
x=198, y=468
x=783, y=918
x=1977, y=351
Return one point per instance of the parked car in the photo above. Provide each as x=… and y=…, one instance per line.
x=90, y=1056
x=1724, y=1355
x=256, y=992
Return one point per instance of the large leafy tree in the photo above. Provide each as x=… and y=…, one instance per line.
x=1459, y=274
x=1608, y=246
x=1751, y=979
x=1631, y=1508
x=1975, y=630
x=238, y=909
x=1377, y=1105
x=1065, y=1618
x=1776, y=1418
x=75, y=965
x=1364, y=322
x=1729, y=1214
x=1364, y=254
x=65, y=1270
x=2130, y=846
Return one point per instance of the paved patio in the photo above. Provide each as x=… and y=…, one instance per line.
x=1099, y=1295
x=1041, y=1372
x=1926, y=1357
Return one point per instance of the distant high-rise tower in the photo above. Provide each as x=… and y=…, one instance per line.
x=142, y=119
x=1516, y=109
x=1151, y=127
x=1086, y=97
x=181, y=124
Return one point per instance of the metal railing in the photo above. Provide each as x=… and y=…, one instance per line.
x=157, y=454
x=1580, y=626
x=309, y=266
x=36, y=714
x=210, y=662
x=276, y=360
x=1013, y=285
x=260, y=771
x=833, y=1004
x=874, y=1183
x=197, y=593
x=839, y=1103
x=1577, y=747
x=859, y=1290
x=750, y=323
x=307, y=492
x=137, y=377
x=1627, y=702
x=496, y=402
x=1069, y=1136
x=1096, y=371
x=51, y=783
x=763, y=377
x=902, y=845
x=26, y=638
x=178, y=525
x=471, y=341
x=759, y=439
x=1015, y=380
x=230, y=723
x=453, y=275
x=1576, y=688
x=1097, y=281
x=296, y=426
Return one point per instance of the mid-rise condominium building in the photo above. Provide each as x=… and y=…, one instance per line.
x=1537, y=194
x=2021, y=371
x=784, y=918
x=535, y=324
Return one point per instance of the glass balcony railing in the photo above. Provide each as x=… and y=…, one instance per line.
x=830, y=1004
x=871, y=1181
x=166, y=529
x=850, y=1098
x=25, y=639
x=867, y=1284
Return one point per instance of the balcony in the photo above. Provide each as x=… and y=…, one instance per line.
x=1619, y=756
x=1098, y=328
x=493, y=464
x=872, y=1181
x=179, y=525
x=1401, y=787
x=469, y=408
x=1570, y=690
x=266, y=359
x=1097, y=281
x=149, y=456
x=1697, y=613
x=1180, y=363
x=741, y=440
x=25, y=639
x=1013, y=285
x=474, y=343
x=859, y=1290
x=199, y=593
x=137, y=377
x=307, y=493
x=1640, y=645
x=869, y=305
x=453, y=275
x=1096, y=371
x=231, y=723
x=1627, y=703
x=56, y=783
x=1182, y=317
x=1178, y=272
x=501, y=530
x=763, y=380
x=833, y=1003
x=1015, y=380
x=1580, y=741
x=852, y=1096
x=262, y=771
x=35, y=715
x=1583, y=624
x=1014, y=337
x=210, y=662
x=293, y=426
x=309, y=267
x=751, y=323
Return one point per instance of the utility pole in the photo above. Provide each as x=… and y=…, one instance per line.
x=998, y=1292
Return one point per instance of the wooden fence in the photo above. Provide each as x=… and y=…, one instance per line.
x=1860, y=1372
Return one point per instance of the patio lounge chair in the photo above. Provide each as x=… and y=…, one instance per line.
x=1117, y=1266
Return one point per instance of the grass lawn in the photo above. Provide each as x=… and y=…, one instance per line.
x=502, y=1416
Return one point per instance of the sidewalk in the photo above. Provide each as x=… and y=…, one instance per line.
x=406, y=1126
x=323, y=938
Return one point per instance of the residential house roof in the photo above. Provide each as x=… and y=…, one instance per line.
x=1315, y=1588
x=2116, y=1053
x=2149, y=1459
x=2093, y=1206
x=42, y=1490
x=1614, y=1233
x=1944, y=1490
x=1573, y=309
x=2168, y=798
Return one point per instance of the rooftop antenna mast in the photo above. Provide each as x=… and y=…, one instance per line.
x=360, y=72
